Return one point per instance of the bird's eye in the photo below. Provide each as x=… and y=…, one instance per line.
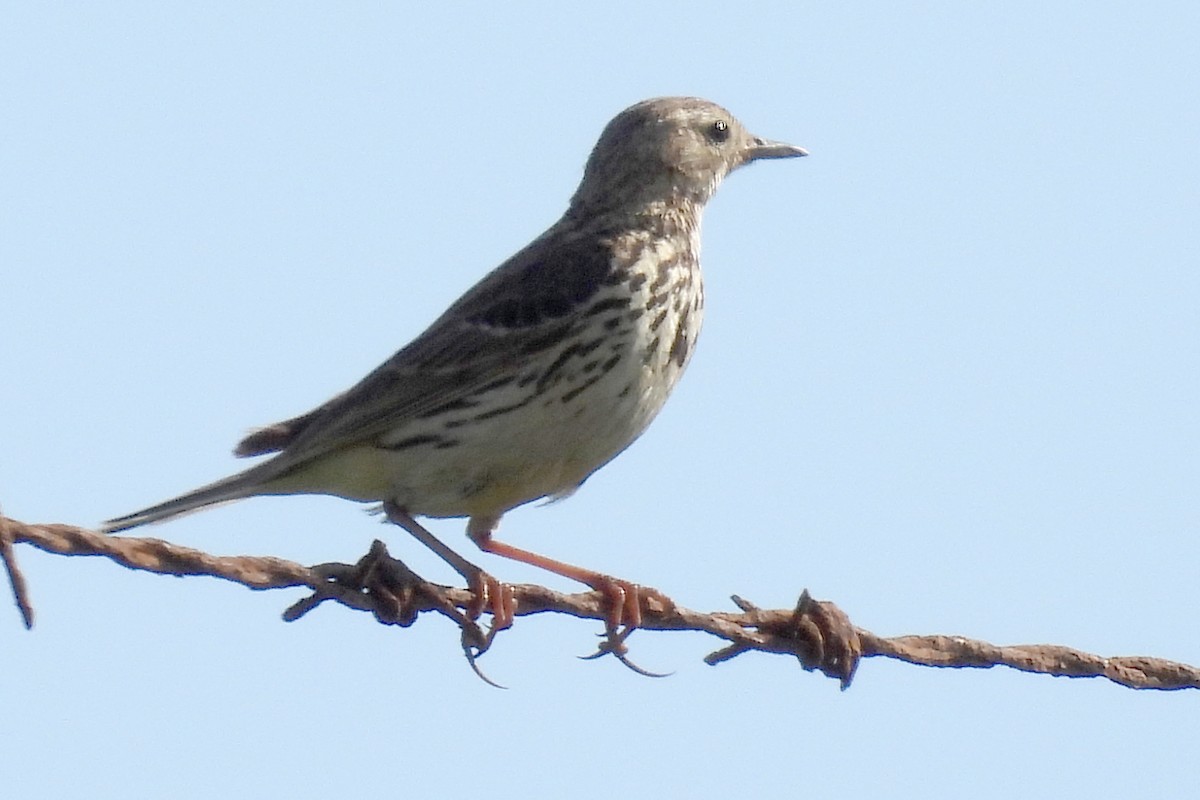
x=719, y=131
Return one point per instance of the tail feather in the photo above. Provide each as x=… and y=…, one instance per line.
x=274, y=438
x=235, y=487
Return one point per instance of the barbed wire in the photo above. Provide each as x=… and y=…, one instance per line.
x=817, y=633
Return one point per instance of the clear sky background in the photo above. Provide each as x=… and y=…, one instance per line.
x=949, y=380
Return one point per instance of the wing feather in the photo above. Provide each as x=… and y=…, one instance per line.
x=530, y=303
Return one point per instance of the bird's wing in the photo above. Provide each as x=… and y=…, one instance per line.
x=528, y=304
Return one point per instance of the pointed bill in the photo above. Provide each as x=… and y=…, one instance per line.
x=766, y=148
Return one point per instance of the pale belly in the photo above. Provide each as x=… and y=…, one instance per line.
x=544, y=449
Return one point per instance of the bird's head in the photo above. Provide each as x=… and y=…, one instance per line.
x=669, y=149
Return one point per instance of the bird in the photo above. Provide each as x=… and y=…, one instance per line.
x=536, y=377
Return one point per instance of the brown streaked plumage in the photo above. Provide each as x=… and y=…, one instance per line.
x=540, y=374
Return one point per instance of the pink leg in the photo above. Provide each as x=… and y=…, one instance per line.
x=622, y=599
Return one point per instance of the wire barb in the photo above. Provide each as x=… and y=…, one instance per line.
x=16, y=579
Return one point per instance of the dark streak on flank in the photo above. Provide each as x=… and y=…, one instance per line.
x=604, y=369
x=496, y=412
x=679, y=347
x=415, y=441
x=496, y=384
x=662, y=278
x=547, y=340
x=571, y=395
x=566, y=355
x=608, y=304
x=460, y=404
x=651, y=351
x=657, y=299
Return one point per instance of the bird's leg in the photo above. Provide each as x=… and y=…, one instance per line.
x=489, y=592
x=622, y=599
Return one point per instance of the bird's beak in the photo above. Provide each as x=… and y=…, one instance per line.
x=765, y=148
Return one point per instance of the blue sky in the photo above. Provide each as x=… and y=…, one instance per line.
x=948, y=379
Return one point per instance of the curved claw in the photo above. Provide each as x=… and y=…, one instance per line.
x=624, y=659
x=501, y=600
x=623, y=601
x=615, y=645
x=473, y=660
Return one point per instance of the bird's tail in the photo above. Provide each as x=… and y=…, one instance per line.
x=235, y=487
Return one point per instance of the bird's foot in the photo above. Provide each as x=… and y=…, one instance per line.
x=395, y=594
x=491, y=595
x=498, y=598
x=623, y=602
